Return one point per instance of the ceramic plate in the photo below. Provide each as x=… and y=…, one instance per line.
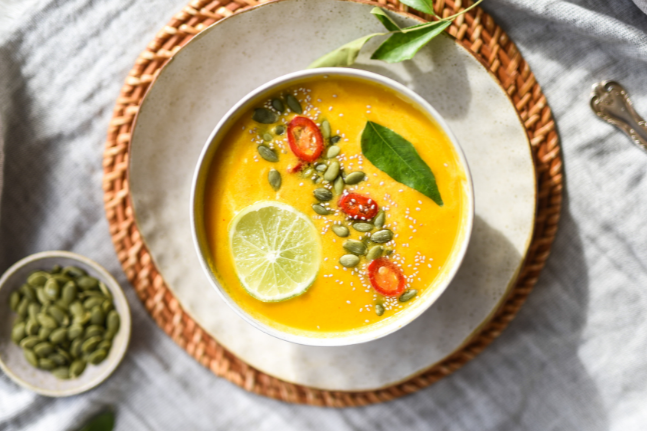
x=228, y=60
x=12, y=360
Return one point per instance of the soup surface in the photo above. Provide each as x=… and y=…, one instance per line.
x=425, y=234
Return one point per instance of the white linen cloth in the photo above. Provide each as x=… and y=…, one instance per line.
x=575, y=357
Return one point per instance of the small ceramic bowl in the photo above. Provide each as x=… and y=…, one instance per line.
x=199, y=179
x=12, y=359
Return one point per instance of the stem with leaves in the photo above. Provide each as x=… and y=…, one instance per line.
x=402, y=43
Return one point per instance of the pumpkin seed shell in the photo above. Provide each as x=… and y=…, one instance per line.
x=274, y=178
x=278, y=105
x=293, y=104
x=322, y=194
x=264, y=116
x=325, y=129
x=338, y=186
x=379, y=219
x=363, y=227
x=320, y=209
x=333, y=171
x=349, y=260
x=382, y=236
x=333, y=151
x=340, y=231
x=374, y=252
x=355, y=178
x=267, y=153
x=355, y=247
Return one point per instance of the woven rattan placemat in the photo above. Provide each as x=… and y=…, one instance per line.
x=484, y=39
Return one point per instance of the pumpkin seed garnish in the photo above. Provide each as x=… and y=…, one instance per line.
x=340, y=231
x=278, y=105
x=320, y=209
x=382, y=236
x=325, y=129
x=280, y=129
x=323, y=195
x=374, y=252
x=267, y=137
x=338, y=186
x=264, y=116
x=406, y=296
x=363, y=227
x=379, y=309
x=62, y=373
x=320, y=167
x=274, y=178
x=355, y=247
x=355, y=178
x=333, y=171
x=293, y=104
x=349, y=260
x=379, y=219
x=334, y=140
x=333, y=151
x=268, y=153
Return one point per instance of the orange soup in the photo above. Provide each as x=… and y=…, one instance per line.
x=350, y=211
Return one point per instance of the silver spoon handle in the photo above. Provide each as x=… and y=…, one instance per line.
x=610, y=101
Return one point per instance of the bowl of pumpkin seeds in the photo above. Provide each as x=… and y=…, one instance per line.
x=64, y=323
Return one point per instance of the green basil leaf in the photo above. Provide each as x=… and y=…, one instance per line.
x=425, y=6
x=104, y=421
x=386, y=20
x=397, y=157
x=344, y=55
x=403, y=46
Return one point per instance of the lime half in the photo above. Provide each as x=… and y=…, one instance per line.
x=276, y=250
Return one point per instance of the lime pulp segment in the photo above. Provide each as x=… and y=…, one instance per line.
x=276, y=250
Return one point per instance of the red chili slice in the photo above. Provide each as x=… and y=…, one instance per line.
x=305, y=139
x=295, y=167
x=358, y=206
x=386, y=277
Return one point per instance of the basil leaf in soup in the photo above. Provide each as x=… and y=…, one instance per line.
x=398, y=158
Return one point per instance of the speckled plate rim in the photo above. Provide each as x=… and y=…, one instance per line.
x=118, y=295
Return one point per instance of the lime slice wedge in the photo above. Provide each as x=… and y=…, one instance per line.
x=276, y=250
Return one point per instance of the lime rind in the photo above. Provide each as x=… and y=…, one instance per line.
x=276, y=250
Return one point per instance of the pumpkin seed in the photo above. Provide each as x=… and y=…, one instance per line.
x=85, y=294
x=267, y=137
x=77, y=309
x=85, y=318
x=90, y=344
x=58, y=335
x=97, y=356
x=363, y=227
x=69, y=293
x=38, y=278
x=274, y=177
x=23, y=307
x=293, y=104
x=18, y=332
x=408, y=295
x=87, y=283
x=52, y=289
x=339, y=230
x=320, y=209
x=64, y=354
x=73, y=271
x=374, y=252
x=74, y=331
x=333, y=171
x=277, y=104
x=58, y=359
x=29, y=342
x=43, y=349
x=75, y=348
x=93, y=331
x=104, y=289
x=326, y=130
x=264, y=116
x=40, y=295
x=62, y=279
x=280, y=129
x=59, y=315
x=338, y=185
x=382, y=236
x=56, y=269
x=334, y=140
x=46, y=364
x=92, y=302
x=113, y=321
x=44, y=333
x=323, y=195
x=379, y=219
x=28, y=291
x=77, y=368
x=333, y=151
x=267, y=153
x=349, y=260
x=105, y=345
x=355, y=178
x=308, y=173
x=389, y=252
x=14, y=300
x=321, y=167
x=379, y=309
x=33, y=309
x=62, y=373
x=31, y=357
x=107, y=306
x=32, y=327
x=355, y=247
x=46, y=321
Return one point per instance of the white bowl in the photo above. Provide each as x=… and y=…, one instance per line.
x=199, y=238
x=12, y=359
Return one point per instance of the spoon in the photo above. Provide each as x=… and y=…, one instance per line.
x=610, y=101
